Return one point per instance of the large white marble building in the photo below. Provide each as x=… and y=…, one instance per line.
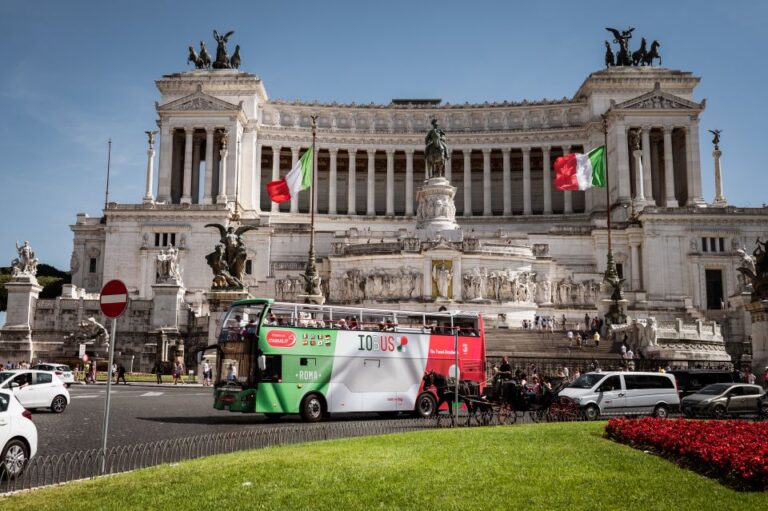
x=675, y=249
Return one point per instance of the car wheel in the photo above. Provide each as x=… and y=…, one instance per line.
x=312, y=408
x=14, y=459
x=718, y=412
x=426, y=405
x=661, y=412
x=59, y=404
x=592, y=412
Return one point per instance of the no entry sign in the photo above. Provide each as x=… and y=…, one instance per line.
x=114, y=298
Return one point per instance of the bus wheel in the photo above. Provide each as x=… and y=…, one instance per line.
x=312, y=408
x=426, y=405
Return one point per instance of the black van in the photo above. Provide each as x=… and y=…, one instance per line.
x=690, y=381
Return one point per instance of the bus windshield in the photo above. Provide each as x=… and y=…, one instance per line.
x=238, y=339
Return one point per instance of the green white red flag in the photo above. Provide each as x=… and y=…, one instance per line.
x=298, y=179
x=581, y=171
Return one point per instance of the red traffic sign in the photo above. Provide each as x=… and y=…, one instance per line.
x=114, y=298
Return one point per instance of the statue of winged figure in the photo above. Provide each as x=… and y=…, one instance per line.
x=716, y=137
x=222, y=57
x=624, y=57
x=228, y=260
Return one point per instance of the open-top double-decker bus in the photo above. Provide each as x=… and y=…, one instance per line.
x=286, y=358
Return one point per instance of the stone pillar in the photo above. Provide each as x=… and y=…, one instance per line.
x=186, y=197
x=622, y=167
x=148, y=198
x=669, y=172
x=527, y=209
x=695, y=197
x=467, y=182
x=448, y=166
x=208, y=189
x=719, y=197
x=352, y=184
x=506, y=181
x=370, y=196
x=165, y=306
x=409, y=182
x=655, y=169
x=487, y=211
x=634, y=262
x=639, y=181
x=257, y=176
x=759, y=312
x=547, y=180
x=567, y=194
x=223, y=153
x=166, y=157
x=195, y=170
x=333, y=152
x=275, y=173
x=647, y=166
x=390, y=182
x=295, y=158
x=17, y=333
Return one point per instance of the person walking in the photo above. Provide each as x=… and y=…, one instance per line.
x=179, y=372
x=121, y=374
x=596, y=338
x=206, y=373
x=158, y=370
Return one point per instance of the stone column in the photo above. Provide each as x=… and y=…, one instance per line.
x=669, y=172
x=487, y=211
x=467, y=182
x=186, y=196
x=527, y=209
x=223, y=152
x=333, y=152
x=257, y=176
x=634, y=255
x=352, y=184
x=390, y=182
x=547, y=180
x=196, y=170
x=639, y=181
x=370, y=196
x=448, y=166
x=148, y=198
x=647, y=165
x=208, y=189
x=275, y=173
x=295, y=158
x=166, y=157
x=567, y=194
x=409, y=182
x=694, y=164
x=719, y=197
x=655, y=168
x=622, y=167
x=506, y=181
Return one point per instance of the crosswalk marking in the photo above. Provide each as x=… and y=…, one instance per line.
x=86, y=396
x=151, y=394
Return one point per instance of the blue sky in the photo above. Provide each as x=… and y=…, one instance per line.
x=76, y=73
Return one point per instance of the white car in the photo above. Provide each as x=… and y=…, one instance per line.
x=18, y=436
x=36, y=389
x=63, y=371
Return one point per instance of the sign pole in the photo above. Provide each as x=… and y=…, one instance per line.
x=456, y=372
x=109, y=395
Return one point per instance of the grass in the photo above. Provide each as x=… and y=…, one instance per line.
x=549, y=466
x=143, y=378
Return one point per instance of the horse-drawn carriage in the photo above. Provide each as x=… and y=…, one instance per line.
x=499, y=401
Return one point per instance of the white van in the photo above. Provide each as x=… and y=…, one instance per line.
x=624, y=393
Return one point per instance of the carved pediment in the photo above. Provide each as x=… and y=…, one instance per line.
x=659, y=100
x=198, y=101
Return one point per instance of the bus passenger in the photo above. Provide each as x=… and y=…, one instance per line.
x=342, y=324
x=353, y=324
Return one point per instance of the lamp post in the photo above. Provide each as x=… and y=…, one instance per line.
x=311, y=277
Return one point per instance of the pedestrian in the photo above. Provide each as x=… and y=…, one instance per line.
x=180, y=372
x=750, y=377
x=113, y=374
x=93, y=372
x=586, y=321
x=158, y=370
x=596, y=338
x=563, y=321
x=232, y=373
x=206, y=373
x=121, y=374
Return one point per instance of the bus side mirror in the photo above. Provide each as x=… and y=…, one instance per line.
x=262, y=363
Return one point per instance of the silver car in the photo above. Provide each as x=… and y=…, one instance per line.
x=724, y=400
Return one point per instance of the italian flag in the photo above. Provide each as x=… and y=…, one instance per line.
x=581, y=171
x=298, y=179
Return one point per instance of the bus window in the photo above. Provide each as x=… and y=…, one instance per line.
x=237, y=321
x=274, y=369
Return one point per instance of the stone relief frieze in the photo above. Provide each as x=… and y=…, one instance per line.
x=498, y=285
x=568, y=292
x=377, y=284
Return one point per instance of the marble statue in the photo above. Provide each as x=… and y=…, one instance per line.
x=228, y=260
x=441, y=276
x=651, y=332
x=756, y=270
x=26, y=263
x=748, y=263
x=168, y=270
x=93, y=331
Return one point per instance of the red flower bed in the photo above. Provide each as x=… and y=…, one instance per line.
x=734, y=451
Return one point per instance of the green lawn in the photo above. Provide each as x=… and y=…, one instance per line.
x=548, y=466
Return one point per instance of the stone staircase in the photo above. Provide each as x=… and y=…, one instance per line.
x=519, y=343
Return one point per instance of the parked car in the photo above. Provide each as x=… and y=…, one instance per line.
x=622, y=393
x=18, y=436
x=690, y=381
x=63, y=371
x=36, y=389
x=723, y=400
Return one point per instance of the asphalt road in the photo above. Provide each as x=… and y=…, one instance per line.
x=142, y=413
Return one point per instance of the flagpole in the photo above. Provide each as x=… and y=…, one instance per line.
x=109, y=161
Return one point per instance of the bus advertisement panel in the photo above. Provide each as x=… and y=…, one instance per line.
x=297, y=364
